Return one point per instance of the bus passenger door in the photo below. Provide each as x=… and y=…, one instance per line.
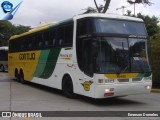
x=85, y=68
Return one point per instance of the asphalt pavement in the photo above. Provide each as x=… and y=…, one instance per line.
x=15, y=96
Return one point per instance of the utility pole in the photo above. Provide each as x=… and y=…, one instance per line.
x=134, y=9
x=123, y=7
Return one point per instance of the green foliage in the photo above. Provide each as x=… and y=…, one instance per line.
x=155, y=59
x=4, y=25
x=7, y=29
x=151, y=24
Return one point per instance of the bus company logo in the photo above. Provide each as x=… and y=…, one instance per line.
x=7, y=6
x=87, y=85
x=27, y=56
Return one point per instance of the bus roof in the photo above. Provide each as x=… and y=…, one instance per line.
x=111, y=16
x=4, y=48
x=34, y=30
x=94, y=15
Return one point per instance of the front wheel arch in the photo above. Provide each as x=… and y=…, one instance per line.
x=68, y=86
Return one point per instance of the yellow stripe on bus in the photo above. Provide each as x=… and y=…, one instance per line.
x=121, y=75
x=24, y=61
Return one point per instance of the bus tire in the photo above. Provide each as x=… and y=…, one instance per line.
x=2, y=68
x=21, y=77
x=17, y=75
x=67, y=87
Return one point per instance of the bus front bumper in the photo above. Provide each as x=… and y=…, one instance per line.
x=117, y=90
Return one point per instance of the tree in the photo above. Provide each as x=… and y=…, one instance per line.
x=7, y=29
x=155, y=59
x=146, y=2
x=139, y=2
x=101, y=8
x=151, y=24
x=4, y=25
x=129, y=13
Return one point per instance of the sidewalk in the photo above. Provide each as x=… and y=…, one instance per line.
x=156, y=90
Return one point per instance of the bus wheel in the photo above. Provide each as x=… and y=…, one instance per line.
x=21, y=77
x=2, y=68
x=67, y=87
x=17, y=75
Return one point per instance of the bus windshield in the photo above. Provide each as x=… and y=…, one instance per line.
x=111, y=46
x=121, y=55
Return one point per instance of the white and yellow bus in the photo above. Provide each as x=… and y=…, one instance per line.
x=95, y=55
x=3, y=58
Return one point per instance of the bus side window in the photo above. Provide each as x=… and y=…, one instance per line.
x=54, y=42
x=53, y=37
x=46, y=38
x=30, y=40
x=60, y=36
x=25, y=43
x=69, y=35
x=85, y=26
x=17, y=45
x=1, y=56
x=40, y=40
x=22, y=44
x=34, y=41
x=11, y=45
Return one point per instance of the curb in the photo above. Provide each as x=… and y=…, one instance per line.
x=155, y=90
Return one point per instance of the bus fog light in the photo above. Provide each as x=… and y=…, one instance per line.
x=148, y=87
x=107, y=90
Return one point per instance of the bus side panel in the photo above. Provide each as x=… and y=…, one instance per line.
x=27, y=61
x=58, y=63
x=64, y=65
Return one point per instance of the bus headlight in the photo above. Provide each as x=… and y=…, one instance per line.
x=148, y=79
x=105, y=81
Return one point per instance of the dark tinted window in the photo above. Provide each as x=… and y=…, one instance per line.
x=40, y=39
x=120, y=27
x=85, y=26
x=47, y=38
x=69, y=34
x=60, y=36
x=3, y=55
